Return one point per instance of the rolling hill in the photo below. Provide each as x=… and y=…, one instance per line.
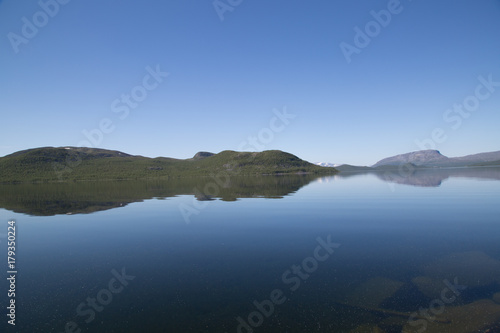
x=48, y=164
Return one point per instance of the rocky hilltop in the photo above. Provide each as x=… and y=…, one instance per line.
x=423, y=157
x=433, y=158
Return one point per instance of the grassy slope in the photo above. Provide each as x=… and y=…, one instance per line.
x=55, y=164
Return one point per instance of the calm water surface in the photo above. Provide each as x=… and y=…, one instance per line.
x=363, y=253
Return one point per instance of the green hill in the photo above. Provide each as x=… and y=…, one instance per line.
x=83, y=164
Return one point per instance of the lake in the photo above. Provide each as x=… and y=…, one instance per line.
x=353, y=253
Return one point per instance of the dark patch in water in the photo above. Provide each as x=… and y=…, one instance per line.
x=472, y=294
x=407, y=299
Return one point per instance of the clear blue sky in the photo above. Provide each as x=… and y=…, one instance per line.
x=227, y=76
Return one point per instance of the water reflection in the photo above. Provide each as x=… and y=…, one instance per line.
x=429, y=177
x=50, y=199
x=414, y=260
x=87, y=197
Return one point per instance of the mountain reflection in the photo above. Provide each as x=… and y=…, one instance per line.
x=50, y=199
x=433, y=177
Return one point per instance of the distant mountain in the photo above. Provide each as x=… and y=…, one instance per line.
x=492, y=163
x=72, y=163
x=482, y=158
x=326, y=165
x=423, y=157
x=433, y=158
x=352, y=168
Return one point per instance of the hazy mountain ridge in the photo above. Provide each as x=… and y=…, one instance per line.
x=423, y=157
x=433, y=158
x=481, y=157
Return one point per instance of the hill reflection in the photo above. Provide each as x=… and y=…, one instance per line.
x=50, y=199
x=423, y=177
